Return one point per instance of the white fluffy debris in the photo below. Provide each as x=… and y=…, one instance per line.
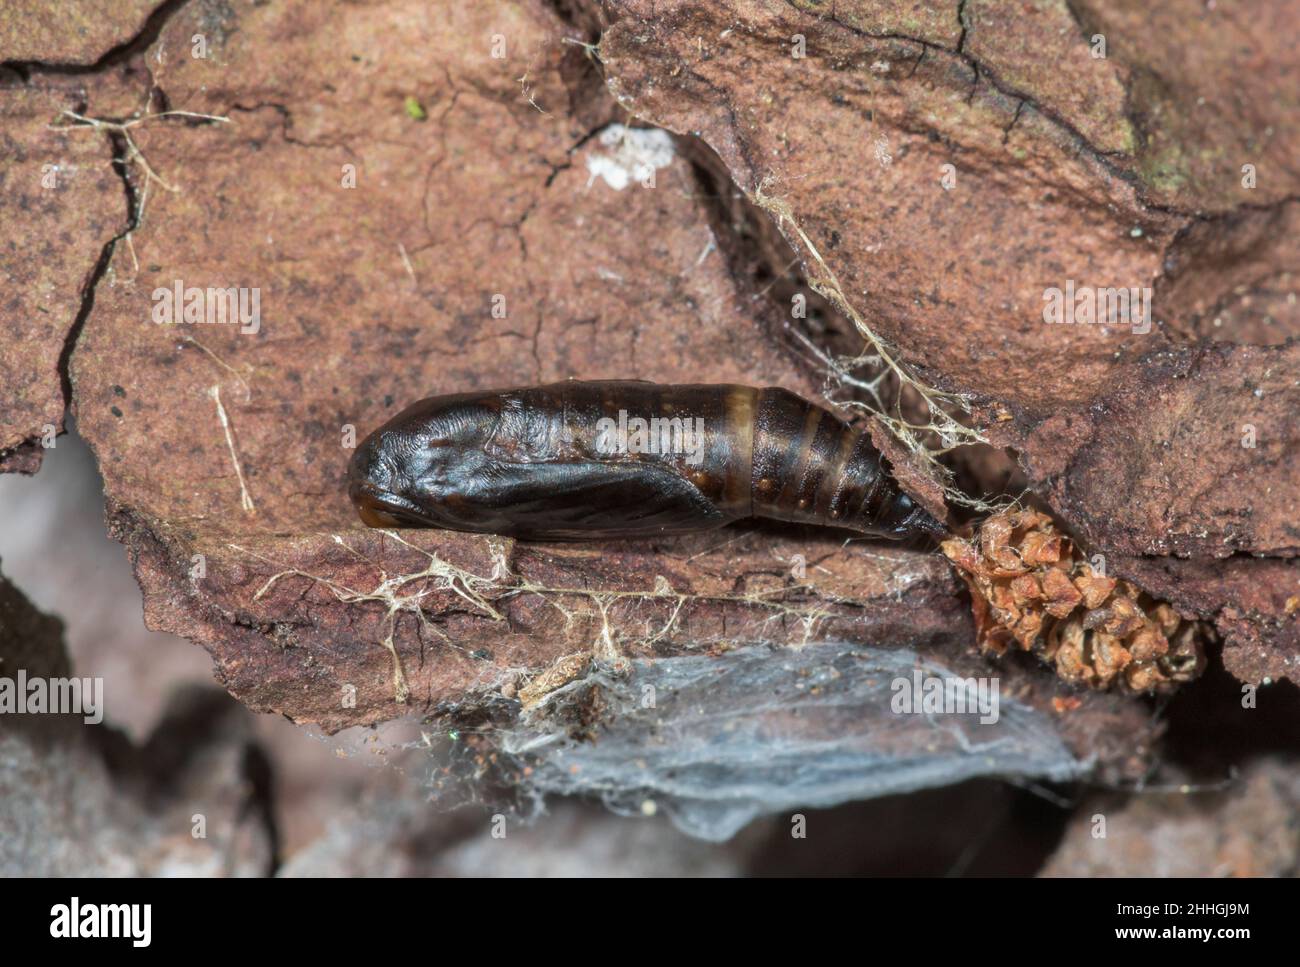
x=634, y=155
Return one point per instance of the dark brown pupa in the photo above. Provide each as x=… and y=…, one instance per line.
x=582, y=460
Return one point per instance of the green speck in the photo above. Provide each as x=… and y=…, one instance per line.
x=414, y=109
x=453, y=735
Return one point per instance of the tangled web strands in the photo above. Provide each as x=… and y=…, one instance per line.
x=886, y=389
x=784, y=729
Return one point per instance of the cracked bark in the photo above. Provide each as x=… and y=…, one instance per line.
x=1098, y=214
x=380, y=295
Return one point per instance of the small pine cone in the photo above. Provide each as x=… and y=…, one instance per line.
x=1030, y=585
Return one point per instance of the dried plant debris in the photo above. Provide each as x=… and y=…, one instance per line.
x=1032, y=587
